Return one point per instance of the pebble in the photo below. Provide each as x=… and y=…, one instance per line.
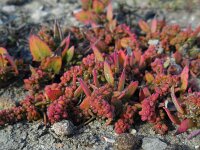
x=9, y=8
x=125, y=141
x=63, y=128
x=150, y=143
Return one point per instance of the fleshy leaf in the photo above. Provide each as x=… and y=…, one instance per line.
x=144, y=93
x=173, y=118
x=149, y=77
x=130, y=90
x=83, y=16
x=3, y=51
x=86, y=4
x=95, y=78
x=184, y=126
x=10, y=60
x=85, y=88
x=176, y=102
x=116, y=62
x=110, y=12
x=85, y=105
x=125, y=42
x=4, y=55
x=78, y=92
x=52, y=63
x=154, y=25
x=97, y=54
x=98, y=6
x=108, y=73
x=144, y=26
x=65, y=42
x=122, y=57
x=67, y=57
x=122, y=81
x=184, y=78
x=39, y=49
x=53, y=94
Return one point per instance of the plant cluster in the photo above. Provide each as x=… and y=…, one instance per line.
x=152, y=75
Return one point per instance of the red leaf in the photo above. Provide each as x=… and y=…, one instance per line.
x=184, y=78
x=144, y=26
x=176, y=102
x=96, y=82
x=85, y=105
x=108, y=73
x=110, y=12
x=122, y=57
x=65, y=42
x=184, y=126
x=85, y=87
x=39, y=49
x=53, y=94
x=122, y=81
x=10, y=60
x=4, y=53
x=130, y=90
x=116, y=62
x=154, y=25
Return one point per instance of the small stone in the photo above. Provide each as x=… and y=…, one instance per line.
x=63, y=128
x=125, y=141
x=133, y=131
x=9, y=9
x=39, y=15
x=153, y=42
x=153, y=143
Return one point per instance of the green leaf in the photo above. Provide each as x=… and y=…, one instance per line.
x=97, y=54
x=68, y=55
x=39, y=49
x=108, y=73
x=53, y=64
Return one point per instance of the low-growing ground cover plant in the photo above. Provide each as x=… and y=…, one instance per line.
x=151, y=76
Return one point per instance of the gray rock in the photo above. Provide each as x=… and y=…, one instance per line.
x=150, y=143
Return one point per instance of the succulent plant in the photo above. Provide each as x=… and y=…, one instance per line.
x=153, y=74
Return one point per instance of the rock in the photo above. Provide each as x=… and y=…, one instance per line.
x=125, y=141
x=9, y=9
x=39, y=15
x=63, y=128
x=153, y=143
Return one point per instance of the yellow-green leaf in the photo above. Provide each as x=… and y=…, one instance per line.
x=39, y=49
x=53, y=64
x=97, y=54
x=108, y=73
